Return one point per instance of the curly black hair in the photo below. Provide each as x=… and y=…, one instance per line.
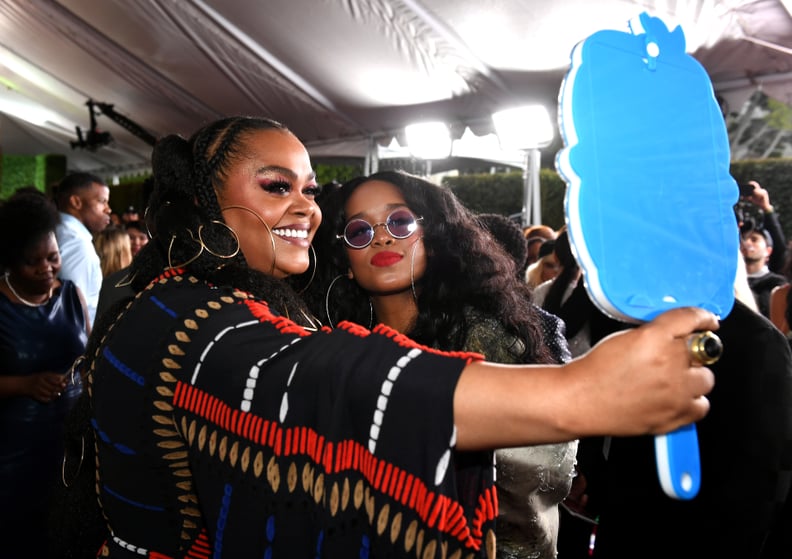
x=465, y=267
x=26, y=217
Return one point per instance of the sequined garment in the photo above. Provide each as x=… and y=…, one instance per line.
x=33, y=340
x=531, y=480
x=224, y=430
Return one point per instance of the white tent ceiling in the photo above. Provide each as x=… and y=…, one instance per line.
x=342, y=74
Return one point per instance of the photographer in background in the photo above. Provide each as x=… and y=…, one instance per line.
x=755, y=212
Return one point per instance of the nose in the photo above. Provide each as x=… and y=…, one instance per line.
x=381, y=234
x=303, y=205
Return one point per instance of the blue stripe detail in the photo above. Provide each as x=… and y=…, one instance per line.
x=222, y=518
x=123, y=449
x=163, y=307
x=122, y=368
x=131, y=502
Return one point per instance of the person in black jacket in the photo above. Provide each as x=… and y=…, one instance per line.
x=745, y=446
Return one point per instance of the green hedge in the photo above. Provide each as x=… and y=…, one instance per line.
x=503, y=192
x=493, y=193
x=41, y=171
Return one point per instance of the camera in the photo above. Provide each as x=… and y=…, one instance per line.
x=746, y=189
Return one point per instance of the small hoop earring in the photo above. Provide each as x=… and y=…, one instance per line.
x=79, y=465
x=313, y=272
x=213, y=253
x=267, y=227
x=201, y=248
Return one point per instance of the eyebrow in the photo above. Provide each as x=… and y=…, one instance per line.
x=389, y=207
x=284, y=171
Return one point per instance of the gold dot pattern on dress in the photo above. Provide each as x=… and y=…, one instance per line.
x=490, y=543
x=245, y=460
x=273, y=474
x=319, y=488
x=258, y=464
x=345, y=493
x=429, y=550
x=410, y=535
x=307, y=477
x=395, y=529
x=292, y=477
x=233, y=454
x=384, y=518
x=334, y=499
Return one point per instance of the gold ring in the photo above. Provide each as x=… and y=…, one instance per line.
x=705, y=347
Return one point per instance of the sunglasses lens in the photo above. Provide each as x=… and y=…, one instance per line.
x=402, y=224
x=358, y=233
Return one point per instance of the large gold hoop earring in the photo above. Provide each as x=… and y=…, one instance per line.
x=267, y=227
x=213, y=253
x=327, y=303
x=186, y=263
x=313, y=272
x=145, y=222
x=79, y=464
x=412, y=269
x=327, y=299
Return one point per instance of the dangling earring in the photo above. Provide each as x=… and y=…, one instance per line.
x=189, y=261
x=203, y=246
x=267, y=227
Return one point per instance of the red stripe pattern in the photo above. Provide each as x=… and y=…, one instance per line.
x=435, y=510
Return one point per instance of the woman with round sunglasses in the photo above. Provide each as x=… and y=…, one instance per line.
x=226, y=424
x=410, y=256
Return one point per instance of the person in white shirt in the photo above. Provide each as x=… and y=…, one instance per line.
x=84, y=204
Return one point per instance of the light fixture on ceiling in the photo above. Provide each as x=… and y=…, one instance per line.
x=428, y=140
x=524, y=127
x=527, y=128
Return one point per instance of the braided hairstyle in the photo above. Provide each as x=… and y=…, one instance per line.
x=465, y=267
x=185, y=219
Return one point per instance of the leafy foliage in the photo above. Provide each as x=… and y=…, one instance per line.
x=502, y=193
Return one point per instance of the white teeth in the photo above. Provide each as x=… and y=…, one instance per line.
x=293, y=233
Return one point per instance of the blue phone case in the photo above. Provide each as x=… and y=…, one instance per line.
x=649, y=203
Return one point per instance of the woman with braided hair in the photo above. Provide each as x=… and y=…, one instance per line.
x=228, y=423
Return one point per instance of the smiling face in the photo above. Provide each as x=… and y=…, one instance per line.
x=384, y=266
x=268, y=199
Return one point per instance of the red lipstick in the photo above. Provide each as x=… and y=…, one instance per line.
x=385, y=258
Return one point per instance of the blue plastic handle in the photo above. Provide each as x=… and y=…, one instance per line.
x=678, y=464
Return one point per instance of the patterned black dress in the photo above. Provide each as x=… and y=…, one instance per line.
x=224, y=430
